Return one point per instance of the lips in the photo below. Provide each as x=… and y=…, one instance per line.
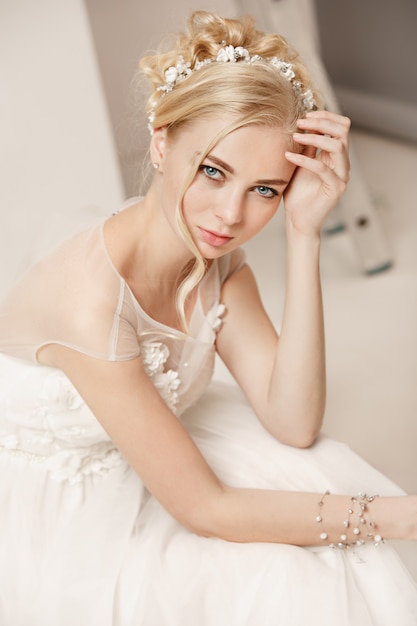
x=213, y=238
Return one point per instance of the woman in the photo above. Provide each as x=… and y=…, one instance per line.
x=119, y=505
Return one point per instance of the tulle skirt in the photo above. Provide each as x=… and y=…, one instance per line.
x=93, y=548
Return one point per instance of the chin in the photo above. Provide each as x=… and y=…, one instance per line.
x=210, y=253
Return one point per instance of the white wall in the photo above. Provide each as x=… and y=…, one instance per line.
x=123, y=32
x=56, y=150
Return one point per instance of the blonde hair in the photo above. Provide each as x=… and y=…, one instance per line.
x=249, y=93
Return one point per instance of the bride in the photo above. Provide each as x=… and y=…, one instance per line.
x=130, y=494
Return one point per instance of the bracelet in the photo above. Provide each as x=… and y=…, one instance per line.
x=364, y=523
x=319, y=518
x=363, y=500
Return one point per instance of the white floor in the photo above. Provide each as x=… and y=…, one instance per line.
x=371, y=321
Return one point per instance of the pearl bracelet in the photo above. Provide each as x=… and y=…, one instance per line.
x=319, y=518
x=364, y=526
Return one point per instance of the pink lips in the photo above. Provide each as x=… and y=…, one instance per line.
x=213, y=238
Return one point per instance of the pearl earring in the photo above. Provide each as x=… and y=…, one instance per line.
x=156, y=165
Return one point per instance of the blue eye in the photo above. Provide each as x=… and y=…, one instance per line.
x=266, y=192
x=211, y=172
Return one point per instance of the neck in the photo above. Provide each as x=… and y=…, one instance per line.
x=152, y=251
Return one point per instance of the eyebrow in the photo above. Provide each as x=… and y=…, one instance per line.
x=267, y=181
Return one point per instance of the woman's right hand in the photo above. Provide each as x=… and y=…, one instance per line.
x=322, y=170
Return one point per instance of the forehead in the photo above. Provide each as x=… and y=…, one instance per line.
x=213, y=135
x=256, y=153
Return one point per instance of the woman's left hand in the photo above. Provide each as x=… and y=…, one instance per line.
x=322, y=170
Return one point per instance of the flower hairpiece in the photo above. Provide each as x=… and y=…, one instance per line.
x=175, y=74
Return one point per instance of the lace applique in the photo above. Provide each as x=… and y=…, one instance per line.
x=154, y=356
x=50, y=434
x=56, y=397
x=215, y=315
x=60, y=388
x=70, y=466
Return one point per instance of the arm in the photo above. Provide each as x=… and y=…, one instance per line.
x=282, y=377
x=285, y=378
x=162, y=453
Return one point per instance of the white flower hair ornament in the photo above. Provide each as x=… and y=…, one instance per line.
x=229, y=54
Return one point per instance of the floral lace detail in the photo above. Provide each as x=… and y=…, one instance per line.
x=154, y=356
x=62, y=390
x=69, y=466
x=51, y=425
x=215, y=315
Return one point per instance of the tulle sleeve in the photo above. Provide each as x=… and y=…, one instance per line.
x=231, y=264
x=73, y=297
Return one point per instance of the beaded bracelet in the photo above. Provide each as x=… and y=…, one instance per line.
x=319, y=518
x=364, y=522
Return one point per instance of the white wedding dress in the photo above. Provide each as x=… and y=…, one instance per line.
x=82, y=542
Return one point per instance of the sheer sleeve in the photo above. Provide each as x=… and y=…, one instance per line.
x=73, y=297
x=231, y=264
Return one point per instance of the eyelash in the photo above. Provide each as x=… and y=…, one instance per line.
x=272, y=192
x=204, y=168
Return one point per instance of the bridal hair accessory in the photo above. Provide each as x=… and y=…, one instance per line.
x=363, y=528
x=229, y=54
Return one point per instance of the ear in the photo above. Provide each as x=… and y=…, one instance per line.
x=158, y=146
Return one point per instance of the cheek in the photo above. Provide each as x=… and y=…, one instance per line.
x=194, y=202
x=263, y=216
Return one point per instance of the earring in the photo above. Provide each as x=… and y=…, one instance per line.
x=155, y=165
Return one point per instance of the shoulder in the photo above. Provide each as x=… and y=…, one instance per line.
x=73, y=297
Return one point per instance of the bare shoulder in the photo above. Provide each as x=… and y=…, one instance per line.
x=120, y=235
x=241, y=284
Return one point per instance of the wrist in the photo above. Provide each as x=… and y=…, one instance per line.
x=303, y=249
x=350, y=527
x=301, y=235
x=345, y=522
x=397, y=517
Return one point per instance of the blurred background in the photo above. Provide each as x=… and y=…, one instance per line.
x=73, y=139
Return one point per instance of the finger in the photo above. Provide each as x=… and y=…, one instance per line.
x=327, y=175
x=331, y=145
x=329, y=115
x=332, y=152
x=327, y=130
x=335, y=127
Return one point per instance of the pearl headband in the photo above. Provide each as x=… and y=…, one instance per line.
x=229, y=54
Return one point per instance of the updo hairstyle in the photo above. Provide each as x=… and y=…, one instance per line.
x=256, y=92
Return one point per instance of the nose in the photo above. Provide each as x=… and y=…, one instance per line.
x=230, y=209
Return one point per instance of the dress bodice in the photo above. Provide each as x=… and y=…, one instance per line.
x=77, y=298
